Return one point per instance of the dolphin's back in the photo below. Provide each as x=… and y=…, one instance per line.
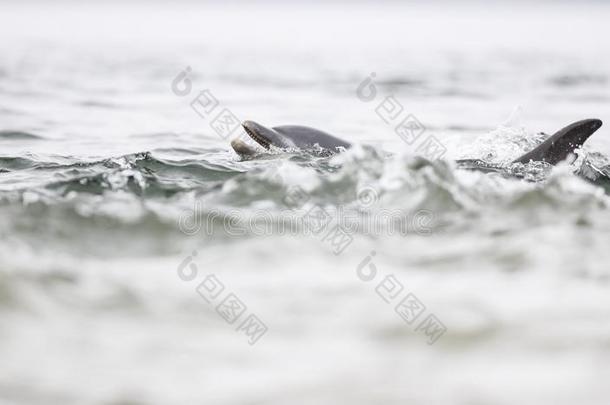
x=564, y=142
x=306, y=137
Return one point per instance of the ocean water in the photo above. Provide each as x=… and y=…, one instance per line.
x=143, y=262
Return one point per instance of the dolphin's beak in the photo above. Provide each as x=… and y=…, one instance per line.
x=256, y=132
x=242, y=148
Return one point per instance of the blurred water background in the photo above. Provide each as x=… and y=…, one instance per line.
x=109, y=181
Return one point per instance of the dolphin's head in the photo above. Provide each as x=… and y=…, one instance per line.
x=266, y=137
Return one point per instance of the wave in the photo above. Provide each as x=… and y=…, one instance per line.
x=578, y=80
x=139, y=173
x=144, y=201
x=18, y=135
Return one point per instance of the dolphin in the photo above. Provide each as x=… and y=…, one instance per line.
x=287, y=137
x=555, y=149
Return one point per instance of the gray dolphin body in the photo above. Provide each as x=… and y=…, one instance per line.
x=554, y=150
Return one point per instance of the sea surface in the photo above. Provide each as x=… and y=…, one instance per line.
x=143, y=262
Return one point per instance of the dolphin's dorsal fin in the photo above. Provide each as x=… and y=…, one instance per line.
x=563, y=143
